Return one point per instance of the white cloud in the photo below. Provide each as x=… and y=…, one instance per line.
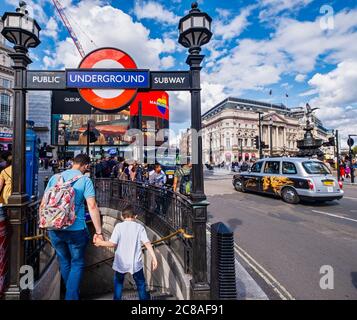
x=307, y=93
x=51, y=29
x=224, y=13
x=154, y=11
x=35, y=9
x=211, y=95
x=295, y=48
x=234, y=27
x=168, y=62
x=300, y=77
x=108, y=26
x=336, y=89
x=338, y=86
x=272, y=8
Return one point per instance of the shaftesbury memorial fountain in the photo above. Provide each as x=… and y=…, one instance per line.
x=309, y=146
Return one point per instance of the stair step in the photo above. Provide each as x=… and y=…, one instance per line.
x=132, y=295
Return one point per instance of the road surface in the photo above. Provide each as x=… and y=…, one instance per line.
x=292, y=242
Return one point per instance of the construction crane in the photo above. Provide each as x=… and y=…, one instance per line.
x=67, y=24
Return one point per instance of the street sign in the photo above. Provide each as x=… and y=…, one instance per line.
x=69, y=102
x=107, y=79
x=350, y=142
x=106, y=99
x=45, y=80
x=170, y=80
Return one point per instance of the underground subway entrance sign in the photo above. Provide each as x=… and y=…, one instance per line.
x=142, y=80
x=108, y=79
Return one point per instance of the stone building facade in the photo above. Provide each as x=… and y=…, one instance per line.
x=230, y=127
x=6, y=92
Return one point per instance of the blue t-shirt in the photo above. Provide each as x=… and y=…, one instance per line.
x=83, y=188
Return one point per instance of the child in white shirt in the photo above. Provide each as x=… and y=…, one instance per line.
x=128, y=238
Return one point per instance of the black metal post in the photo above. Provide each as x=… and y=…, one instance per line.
x=194, y=61
x=140, y=127
x=223, y=275
x=350, y=156
x=210, y=149
x=241, y=148
x=271, y=139
x=88, y=138
x=338, y=156
x=260, y=135
x=199, y=284
x=18, y=200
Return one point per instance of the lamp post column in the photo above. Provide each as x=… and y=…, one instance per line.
x=194, y=61
x=199, y=284
x=21, y=61
x=338, y=156
x=18, y=201
x=271, y=139
x=260, y=135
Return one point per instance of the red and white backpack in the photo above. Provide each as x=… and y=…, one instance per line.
x=57, y=211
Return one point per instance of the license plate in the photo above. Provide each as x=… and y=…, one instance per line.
x=329, y=189
x=328, y=183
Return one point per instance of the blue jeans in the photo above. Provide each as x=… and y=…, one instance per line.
x=70, y=249
x=140, y=284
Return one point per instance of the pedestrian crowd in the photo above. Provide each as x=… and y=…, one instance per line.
x=346, y=167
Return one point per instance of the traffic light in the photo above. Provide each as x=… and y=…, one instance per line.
x=256, y=141
x=331, y=141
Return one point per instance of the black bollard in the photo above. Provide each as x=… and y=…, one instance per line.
x=223, y=275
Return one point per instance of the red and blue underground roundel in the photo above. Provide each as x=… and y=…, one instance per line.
x=108, y=99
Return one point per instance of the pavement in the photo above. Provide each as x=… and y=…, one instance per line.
x=284, y=247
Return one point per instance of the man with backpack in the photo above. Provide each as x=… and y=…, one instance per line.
x=62, y=214
x=183, y=178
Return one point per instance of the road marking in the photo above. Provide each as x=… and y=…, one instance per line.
x=264, y=274
x=351, y=198
x=333, y=215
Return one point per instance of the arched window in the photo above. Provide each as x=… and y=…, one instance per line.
x=5, y=109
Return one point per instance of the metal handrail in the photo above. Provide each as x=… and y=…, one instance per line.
x=180, y=231
x=153, y=243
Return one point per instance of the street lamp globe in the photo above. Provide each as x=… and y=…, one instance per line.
x=271, y=121
x=195, y=29
x=20, y=29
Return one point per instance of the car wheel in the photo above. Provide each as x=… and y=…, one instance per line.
x=238, y=185
x=289, y=195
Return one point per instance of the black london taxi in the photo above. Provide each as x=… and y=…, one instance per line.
x=292, y=179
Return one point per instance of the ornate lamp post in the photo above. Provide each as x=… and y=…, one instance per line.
x=23, y=32
x=195, y=31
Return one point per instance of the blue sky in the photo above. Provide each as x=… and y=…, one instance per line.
x=305, y=48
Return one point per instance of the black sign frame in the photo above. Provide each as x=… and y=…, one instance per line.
x=175, y=85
